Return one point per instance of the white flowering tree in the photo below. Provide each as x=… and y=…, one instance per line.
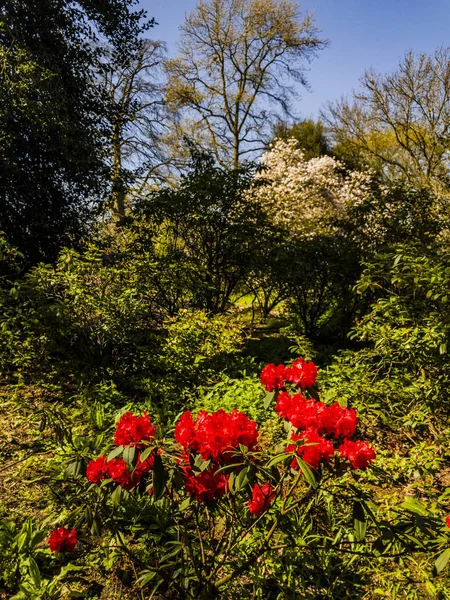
x=302, y=195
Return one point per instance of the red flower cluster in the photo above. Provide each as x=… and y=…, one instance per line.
x=314, y=448
x=62, y=539
x=132, y=430
x=447, y=521
x=360, y=454
x=261, y=499
x=116, y=468
x=302, y=373
x=314, y=419
x=207, y=485
x=272, y=377
x=333, y=420
x=216, y=436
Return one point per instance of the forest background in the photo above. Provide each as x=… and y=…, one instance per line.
x=170, y=226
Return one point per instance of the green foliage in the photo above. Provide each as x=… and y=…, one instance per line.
x=245, y=394
x=209, y=227
x=26, y=571
x=403, y=372
x=309, y=135
x=53, y=118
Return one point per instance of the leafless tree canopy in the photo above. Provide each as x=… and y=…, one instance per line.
x=238, y=66
x=136, y=96
x=401, y=120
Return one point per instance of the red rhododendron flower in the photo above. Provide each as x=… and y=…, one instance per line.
x=360, y=454
x=272, y=377
x=305, y=414
x=62, y=539
x=283, y=405
x=301, y=412
x=96, y=469
x=145, y=466
x=117, y=470
x=132, y=430
x=447, y=521
x=216, y=436
x=206, y=486
x=301, y=373
x=261, y=499
x=314, y=449
x=338, y=421
x=185, y=430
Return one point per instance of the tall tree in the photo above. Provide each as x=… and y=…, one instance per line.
x=400, y=122
x=53, y=117
x=238, y=65
x=308, y=134
x=135, y=91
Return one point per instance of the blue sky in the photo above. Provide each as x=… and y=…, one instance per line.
x=362, y=34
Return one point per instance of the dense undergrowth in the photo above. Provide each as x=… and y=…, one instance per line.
x=58, y=415
x=160, y=314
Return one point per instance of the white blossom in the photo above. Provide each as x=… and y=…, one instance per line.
x=302, y=194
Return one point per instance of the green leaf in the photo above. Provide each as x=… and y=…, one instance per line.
x=442, y=561
x=115, y=453
x=34, y=572
x=279, y=458
x=144, y=455
x=241, y=479
x=116, y=496
x=159, y=478
x=146, y=577
x=306, y=470
x=413, y=505
x=359, y=521
x=68, y=569
x=128, y=455
x=268, y=399
x=185, y=504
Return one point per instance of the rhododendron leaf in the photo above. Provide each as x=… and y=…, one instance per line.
x=128, y=455
x=205, y=465
x=88, y=515
x=73, y=469
x=200, y=464
x=159, y=478
x=38, y=537
x=178, y=481
x=268, y=399
x=96, y=528
x=242, y=479
x=231, y=479
x=442, y=561
x=226, y=468
x=277, y=459
x=34, y=572
x=145, y=454
x=309, y=475
x=68, y=569
x=287, y=426
x=413, y=505
x=314, y=392
x=146, y=577
x=359, y=521
x=116, y=496
x=185, y=504
x=114, y=453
